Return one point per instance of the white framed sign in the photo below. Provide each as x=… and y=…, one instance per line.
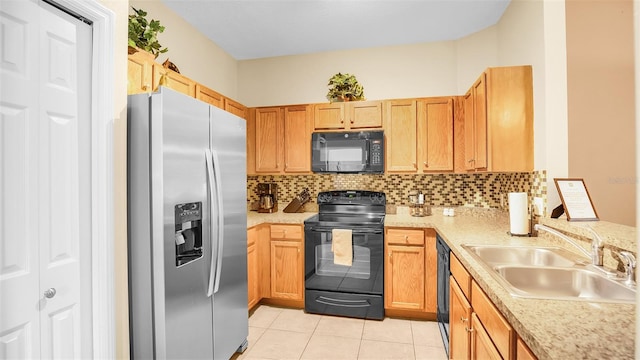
x=576, y=200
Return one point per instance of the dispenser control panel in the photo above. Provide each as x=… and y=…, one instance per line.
x=188, y=232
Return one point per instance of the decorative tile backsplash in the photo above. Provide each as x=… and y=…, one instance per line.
x=475, y=190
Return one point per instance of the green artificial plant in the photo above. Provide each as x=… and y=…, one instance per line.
x=143, y=34
x=344, y=87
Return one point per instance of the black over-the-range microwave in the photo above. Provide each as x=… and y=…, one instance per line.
x=348, y=152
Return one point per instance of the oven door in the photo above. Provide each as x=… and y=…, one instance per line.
x=365, y=276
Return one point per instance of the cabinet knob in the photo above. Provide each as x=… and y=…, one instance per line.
x=463, y=319
x=468, y=329
x=351, y=121
x=425, y=164
x=472, y=160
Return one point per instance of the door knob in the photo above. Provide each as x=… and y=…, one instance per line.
x=49, y=293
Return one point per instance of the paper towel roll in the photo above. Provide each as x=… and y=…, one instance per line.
x=518, y=217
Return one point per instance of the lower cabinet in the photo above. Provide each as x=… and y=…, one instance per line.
x=477, y=329
x=410, y=269
x=253, y=267
x=287, y=262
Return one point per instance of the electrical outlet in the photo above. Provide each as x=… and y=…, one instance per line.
x=538, y=204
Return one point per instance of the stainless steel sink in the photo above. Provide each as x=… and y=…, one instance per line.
x=549, y=273
x=521, y=255
x=564, y=283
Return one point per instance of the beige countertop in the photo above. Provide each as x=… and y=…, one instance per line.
x=553, y=329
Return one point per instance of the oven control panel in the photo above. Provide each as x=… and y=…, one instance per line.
x=363, y=197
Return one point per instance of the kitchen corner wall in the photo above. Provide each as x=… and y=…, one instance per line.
x=472, y=190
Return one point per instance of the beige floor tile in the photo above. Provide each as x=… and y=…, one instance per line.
x=278, y=344
x=390, y=330
x=430, y=352
x=331, y=347
x=426, y=333
x=263, y=316
x=370, y=349
x=340, y=326
x=296, y=320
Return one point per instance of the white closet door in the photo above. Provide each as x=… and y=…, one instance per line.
x=44, y=176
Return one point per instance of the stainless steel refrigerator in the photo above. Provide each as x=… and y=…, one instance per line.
x=187, y=228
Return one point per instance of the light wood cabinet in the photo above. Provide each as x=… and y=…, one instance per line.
x=348, y=115
x=523, y=352
x=173, y=80
x=253, y=267
x=140, y=73
x=282, y=140
x=410, y=269
x=477, y=328
x=235, y=108
x=209, y=96
x=499, y=120
x=401, y=132
x=419, y=135
x=459, y=322
x=287, y=262
x=435, y=134
x=482, y=348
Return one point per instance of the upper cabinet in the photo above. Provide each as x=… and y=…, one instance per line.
x=499, y=120
x=279, y=140
x=144, y=75
x=235, y=108
x=352, y=115
x=435, y=134
x=209, y=96
x=419, y=135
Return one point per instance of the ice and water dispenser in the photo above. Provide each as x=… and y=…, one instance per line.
x=188, y=227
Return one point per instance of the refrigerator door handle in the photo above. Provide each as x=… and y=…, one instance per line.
x=213, y=172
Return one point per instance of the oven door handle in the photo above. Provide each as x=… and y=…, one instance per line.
x=355, y=231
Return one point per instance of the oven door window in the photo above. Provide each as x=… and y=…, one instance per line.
x=365, y=275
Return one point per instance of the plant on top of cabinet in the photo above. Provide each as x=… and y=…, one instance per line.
x=143, y=34
x=344, y=87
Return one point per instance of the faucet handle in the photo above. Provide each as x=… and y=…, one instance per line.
x=629, y=262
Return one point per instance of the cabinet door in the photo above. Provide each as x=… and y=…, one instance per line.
x=401, y=136
x=480, y=122
x=286, y=270
x=328, y=116
x=253, y=280
x=365, y=114
x=469, y=132
x=523, y=352
x=268, y=132
x=173, y=80
x=297, y=148
x=481, y=346
x=459, y=323
x=431, y=271
x=235, y=108
x=209, y=96
x=404, y=277
x=139, y=73
x=436, y=134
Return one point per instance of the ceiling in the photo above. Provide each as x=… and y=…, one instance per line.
x=253, y=29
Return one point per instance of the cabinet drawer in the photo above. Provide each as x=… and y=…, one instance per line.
x=286, y=232
x=405, y=237
x=497, y=327
x=461, y=275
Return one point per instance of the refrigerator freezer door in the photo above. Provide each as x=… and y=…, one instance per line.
x=228, y=141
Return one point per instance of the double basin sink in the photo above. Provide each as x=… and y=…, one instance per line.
x=550, y=273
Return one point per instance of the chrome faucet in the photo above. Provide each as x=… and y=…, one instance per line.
x=629, y=262
x=597, y=245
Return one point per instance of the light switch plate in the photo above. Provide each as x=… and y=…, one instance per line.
x=538, y=204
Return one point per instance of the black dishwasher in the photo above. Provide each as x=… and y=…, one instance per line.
x=443, y=290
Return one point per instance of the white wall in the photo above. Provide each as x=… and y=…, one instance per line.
x=385, y=73
x=195, y=55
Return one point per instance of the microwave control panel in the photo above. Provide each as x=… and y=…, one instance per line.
x=376, y=152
